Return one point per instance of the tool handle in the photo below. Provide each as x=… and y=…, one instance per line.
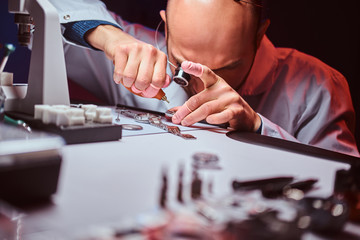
x=12, y=121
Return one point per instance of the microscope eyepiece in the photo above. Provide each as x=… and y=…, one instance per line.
x=25, y=26
x=180, y=77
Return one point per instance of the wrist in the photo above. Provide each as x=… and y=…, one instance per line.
x=106, y=37
x=97, y=37
x=76, y=31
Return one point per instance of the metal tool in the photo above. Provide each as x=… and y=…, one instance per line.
x=18, y=123
x=118, y=118
x=155, y=120
x=196, y=186
x=347, y=185
x=8, y=119
x=9, y=48
x=169, y=114
x=127, y=113
x=164, y=189
x=204, y=160
x=131, y=127
x=180, y=184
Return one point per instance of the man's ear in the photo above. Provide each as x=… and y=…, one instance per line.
x=261, y=32
x=163, y=17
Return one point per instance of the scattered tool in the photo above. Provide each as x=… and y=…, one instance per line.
x=133, y=127
x=164, y=189
x=18, y=123
x=155, y=120
x=9, y=48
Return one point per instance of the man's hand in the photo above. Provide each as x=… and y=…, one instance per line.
x=139, y=66
x=218, y=103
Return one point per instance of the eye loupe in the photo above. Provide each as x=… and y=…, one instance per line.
x=180, y=77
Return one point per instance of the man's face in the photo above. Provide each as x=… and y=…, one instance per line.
x=218, y=34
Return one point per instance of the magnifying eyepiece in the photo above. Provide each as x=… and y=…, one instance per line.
x=180, y=77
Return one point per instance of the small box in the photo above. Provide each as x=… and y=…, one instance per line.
x=29, y=165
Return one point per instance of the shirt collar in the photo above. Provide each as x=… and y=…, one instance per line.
x=262, y=73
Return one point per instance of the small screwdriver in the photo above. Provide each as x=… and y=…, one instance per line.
x=9, y=48
x=160, y=95
x=19, y=123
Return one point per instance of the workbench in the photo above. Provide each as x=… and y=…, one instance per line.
x=119, y=181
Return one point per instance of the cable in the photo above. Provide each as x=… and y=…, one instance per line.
x=157, y=45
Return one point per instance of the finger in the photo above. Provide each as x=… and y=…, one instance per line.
x=131, y=70
x=158, y=78
x=198, y=100
x=228, y=111
x=191, y=105
x=174, y=109
x=167, y=81
x=135, y=90
x=151, y=91
x=192, y=68
x=145, y=73
x=159, y=75
x=206, y=75
x=182, y=112
x=221, y=117
x=202, y=112
x=119, y=66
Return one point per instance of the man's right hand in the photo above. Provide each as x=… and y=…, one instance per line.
x=139, y=66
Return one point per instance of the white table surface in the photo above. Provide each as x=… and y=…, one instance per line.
x=113, y=181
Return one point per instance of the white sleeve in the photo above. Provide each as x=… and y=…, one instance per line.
x=331, y=142
x=272, y=130
x=79, y=10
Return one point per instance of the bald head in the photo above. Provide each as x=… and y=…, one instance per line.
x=215, y=33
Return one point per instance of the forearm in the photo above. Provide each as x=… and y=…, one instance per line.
x=106, y=38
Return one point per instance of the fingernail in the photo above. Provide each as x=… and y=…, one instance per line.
x=135, y=90
x=150, y=92
x=117, y=79
x=175, y=119
x=195, y=69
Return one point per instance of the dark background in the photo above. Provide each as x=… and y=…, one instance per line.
x=326, y=29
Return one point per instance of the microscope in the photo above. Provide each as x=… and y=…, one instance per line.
x=47, y=88
x=35, y=157
x=47, y=81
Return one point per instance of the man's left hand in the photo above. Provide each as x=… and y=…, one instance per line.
x=218, y=103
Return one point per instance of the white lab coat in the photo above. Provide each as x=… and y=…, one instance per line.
x=298, y=97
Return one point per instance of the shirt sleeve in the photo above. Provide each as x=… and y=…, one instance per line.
x=336, y=137
x=78, y=17
x=80, y=10
x=75, y=31
x=270, y=129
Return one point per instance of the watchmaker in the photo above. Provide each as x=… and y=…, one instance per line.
x=238, y=76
